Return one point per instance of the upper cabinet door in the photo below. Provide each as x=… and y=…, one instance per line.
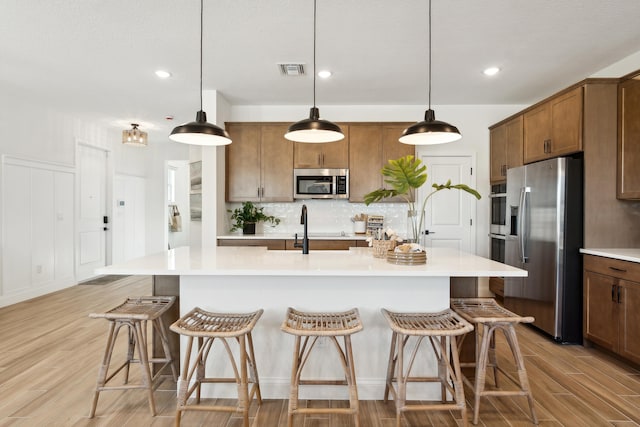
x=514, y=143
x=259, y=163
x=371, y=146
x=629, y=139
x=333, y=155
x=554, y=128
x=243, y=163
x=276, y=165
x=566, y=123
x=365, y=149
x=505, y=148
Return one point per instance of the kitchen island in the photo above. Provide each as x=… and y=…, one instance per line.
x=243, y=279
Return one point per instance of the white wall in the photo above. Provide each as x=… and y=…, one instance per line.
x=181, y=168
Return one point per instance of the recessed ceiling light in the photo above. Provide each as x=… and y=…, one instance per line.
x=324, y=74
x=163, y=74
x=491, y=71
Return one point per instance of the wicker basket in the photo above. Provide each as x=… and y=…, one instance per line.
x=381, y=247
x=407, y=258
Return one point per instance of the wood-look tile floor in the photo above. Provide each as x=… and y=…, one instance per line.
x=50, y=349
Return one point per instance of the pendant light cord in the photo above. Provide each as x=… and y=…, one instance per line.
x=429, y=54
x=201, y=25
x=314, y=53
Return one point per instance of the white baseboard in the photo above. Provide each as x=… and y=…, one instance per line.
x=30, y=293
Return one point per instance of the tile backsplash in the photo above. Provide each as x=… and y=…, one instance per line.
x=327, y=216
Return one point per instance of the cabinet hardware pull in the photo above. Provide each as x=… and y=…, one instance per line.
x=621, y=270
x=613, y=292
x=258, y=192
x=618, y=294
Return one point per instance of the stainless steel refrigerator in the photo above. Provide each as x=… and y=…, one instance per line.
x=544, y=235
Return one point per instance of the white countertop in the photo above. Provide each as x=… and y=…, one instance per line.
x=258, y=261
x=624, y=254
x=281, y=236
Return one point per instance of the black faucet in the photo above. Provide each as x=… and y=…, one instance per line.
x=305, y=239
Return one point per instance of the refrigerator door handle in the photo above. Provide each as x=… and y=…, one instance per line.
x=522, y=223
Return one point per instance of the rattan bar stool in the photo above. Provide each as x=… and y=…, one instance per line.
x=134, y=314
x=441, y=328
x=312, y=326
x=204, y=328
x=487, y=313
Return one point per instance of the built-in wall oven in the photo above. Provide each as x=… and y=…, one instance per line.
x=498, y=227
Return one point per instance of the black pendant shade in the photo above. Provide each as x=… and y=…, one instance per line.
x=430, y=131
x=200, y=132
x=314, y=129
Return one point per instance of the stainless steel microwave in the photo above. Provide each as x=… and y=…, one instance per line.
x=321, y=183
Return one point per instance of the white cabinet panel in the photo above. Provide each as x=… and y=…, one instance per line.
x=64, y=189
x=16, y=210
x=42, y=226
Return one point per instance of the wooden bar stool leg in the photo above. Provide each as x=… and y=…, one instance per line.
x=131, y=347
x=160, y=328
x=254, y=369
x=391, y=367
x=293, y=394
x=401, y=395
x=457, y=381
x=243, y=387
x=144, y=364
x=481, y=369
x=351, y=375
x=183, y=385
x=102, y=371
x=512, y=339
x=493, y=360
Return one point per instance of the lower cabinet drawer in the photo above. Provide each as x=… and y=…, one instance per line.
x=612, y=267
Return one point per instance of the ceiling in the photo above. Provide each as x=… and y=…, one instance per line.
x=97, y=57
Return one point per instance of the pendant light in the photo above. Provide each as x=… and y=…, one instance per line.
x=314, y=129
x=430, y=131
x=134, y=136
x=200, y=132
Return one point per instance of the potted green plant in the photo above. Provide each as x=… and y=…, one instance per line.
x=405, y=175
x=246, y=217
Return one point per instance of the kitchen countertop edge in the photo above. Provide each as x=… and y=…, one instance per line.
x=623, y=254
x=289, y=236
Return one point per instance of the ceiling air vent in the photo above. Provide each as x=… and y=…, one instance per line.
x=291, y=69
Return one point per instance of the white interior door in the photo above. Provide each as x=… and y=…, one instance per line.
x=449, y=214
x=92, y=207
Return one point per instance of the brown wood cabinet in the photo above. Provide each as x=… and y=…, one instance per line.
x=611, y=299
x=323, y=245
x=259, y=163
x=334, y=155
x=271, y=244
x=628, y=186
x=554, y=128
x=371, y=145
x=506, y=146
x=287, y=244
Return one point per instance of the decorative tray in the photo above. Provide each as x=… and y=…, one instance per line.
x=407, y=258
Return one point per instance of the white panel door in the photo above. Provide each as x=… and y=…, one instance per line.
x=92, y=207
x=449, y=214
